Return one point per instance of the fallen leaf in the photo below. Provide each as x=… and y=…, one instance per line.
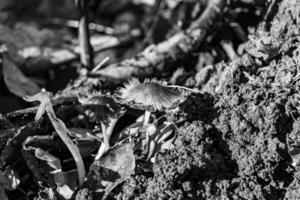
x=16, y=82
x=42, y=164
x=46, y=167
x=51, y=160
x=117, y=164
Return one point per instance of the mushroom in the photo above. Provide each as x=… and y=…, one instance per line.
x=152, y=95
x=106, y=112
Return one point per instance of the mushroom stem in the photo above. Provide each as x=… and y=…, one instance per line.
x=146, y=118
x=146, y=121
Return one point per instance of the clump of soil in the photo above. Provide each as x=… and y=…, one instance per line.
x=197, y=155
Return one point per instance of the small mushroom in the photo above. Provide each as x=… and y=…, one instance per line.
x=152, y=95
x=106, y=112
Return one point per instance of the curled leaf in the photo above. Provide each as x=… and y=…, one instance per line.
x=51, y=160
x=41, y=163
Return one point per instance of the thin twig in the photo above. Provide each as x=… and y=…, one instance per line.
x=75, y=24
x=100, y=64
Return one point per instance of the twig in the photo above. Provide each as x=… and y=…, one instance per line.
x=75, y=24
x=86, y=54
x=100, y=64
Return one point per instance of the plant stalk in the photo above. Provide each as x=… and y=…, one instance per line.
x=70, y=145
x=86, y=50
x=106, y=137
x=45, y=106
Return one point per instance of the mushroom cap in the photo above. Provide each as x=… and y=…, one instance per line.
x=151, y=95
x=100, y=107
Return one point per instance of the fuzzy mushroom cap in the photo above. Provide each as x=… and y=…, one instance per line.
x=152, y=95
x=100, y=107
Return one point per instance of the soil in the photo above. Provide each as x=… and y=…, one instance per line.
x=236, y=147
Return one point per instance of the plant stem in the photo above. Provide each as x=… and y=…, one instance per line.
x=86, y=51
x=111, y=126
x=45, y=106
x=105, y=136
x=109, y=130
x=68, y=142
x=100, y=152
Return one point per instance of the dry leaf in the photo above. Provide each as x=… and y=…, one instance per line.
x=16, y=82
x=51, y=160
x=111, y=169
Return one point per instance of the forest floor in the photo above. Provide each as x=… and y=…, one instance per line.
x=234, y=136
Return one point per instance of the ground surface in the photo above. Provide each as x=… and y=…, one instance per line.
x=239, y=139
